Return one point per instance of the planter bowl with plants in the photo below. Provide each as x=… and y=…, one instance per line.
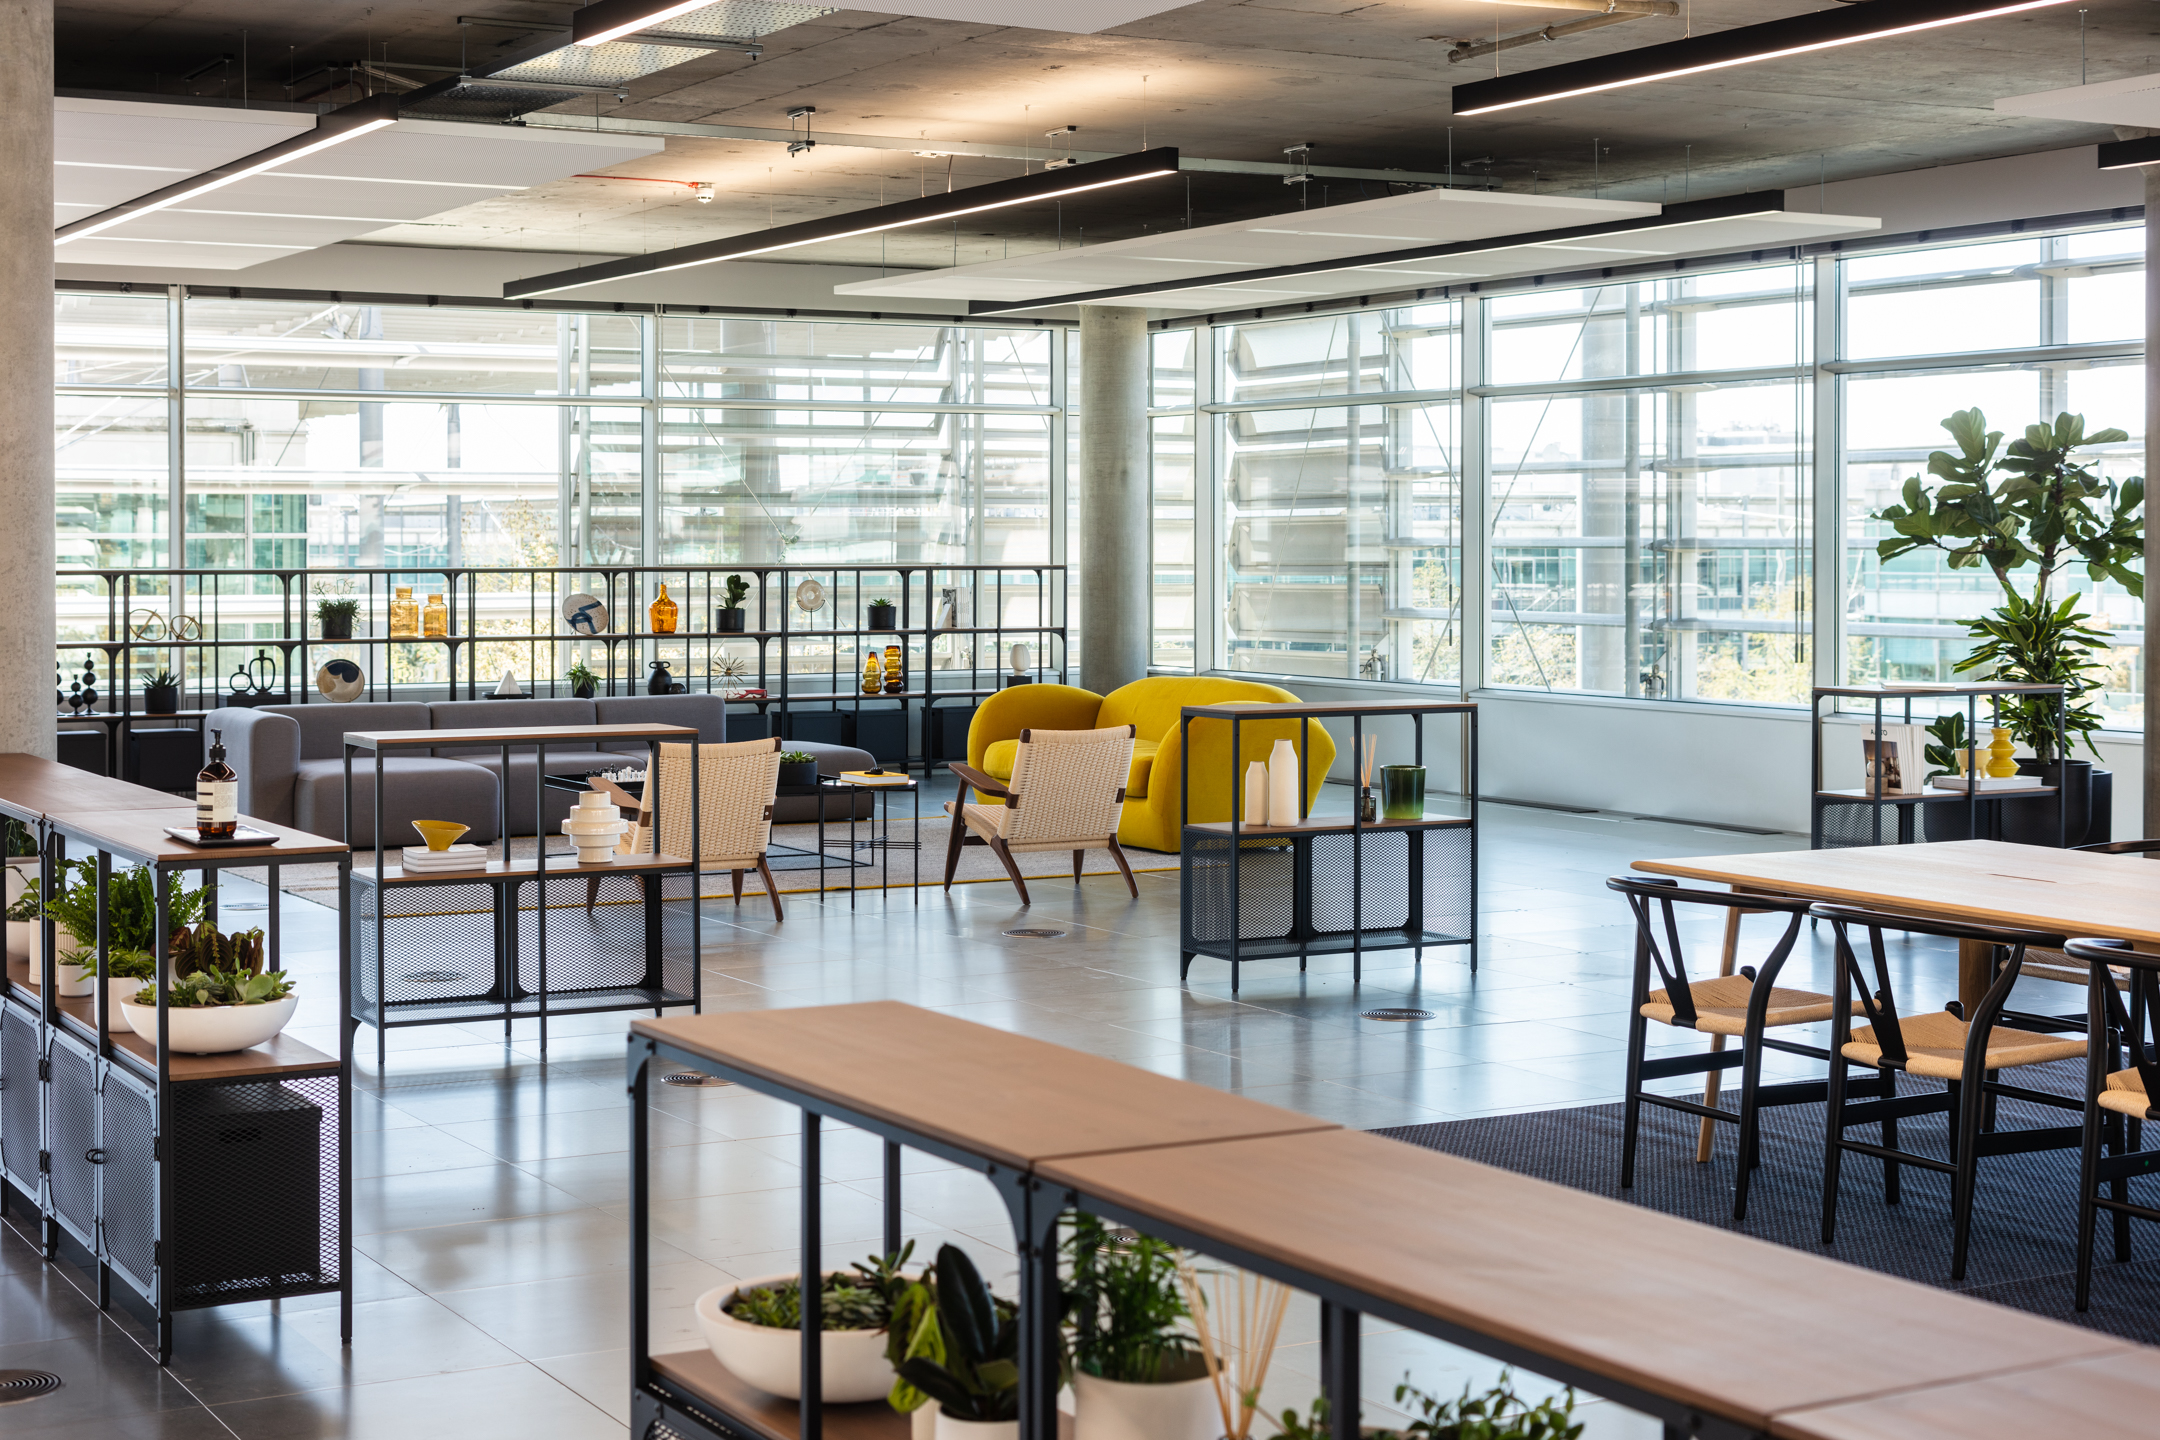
x=883, y=614
x=161, y=694
x=754, y=1328
x=223, y=999
x=798, y=768
x=337, y=617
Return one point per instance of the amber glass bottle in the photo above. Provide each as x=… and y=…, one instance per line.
x=217, y=794
x=873, y=675
x=663, y=613
x=404, y=615
x=434, y=618
x=895, y=671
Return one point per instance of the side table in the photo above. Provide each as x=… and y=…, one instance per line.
x=880, y=840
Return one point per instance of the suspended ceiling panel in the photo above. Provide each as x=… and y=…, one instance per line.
x=2135, y=101
x=1074, y=17
x=107, y=151
x=1364, y=227
x=396, y=176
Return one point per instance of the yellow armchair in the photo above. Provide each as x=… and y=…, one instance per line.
x=1151, y=706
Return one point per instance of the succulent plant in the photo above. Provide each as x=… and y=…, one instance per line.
x=217, y=969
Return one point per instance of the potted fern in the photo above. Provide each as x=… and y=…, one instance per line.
x=729, y=620
x=754, y=1328
x=222, y=998
x=1137, y=1372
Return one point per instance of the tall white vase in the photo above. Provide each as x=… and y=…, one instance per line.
x=1256, y=793
x=1282, y=783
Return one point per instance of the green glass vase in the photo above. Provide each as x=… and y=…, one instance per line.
x=1402, y=792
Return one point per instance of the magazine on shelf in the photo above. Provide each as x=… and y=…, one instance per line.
x=1898, y=756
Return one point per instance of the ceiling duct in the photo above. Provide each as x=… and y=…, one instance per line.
x=549, y=71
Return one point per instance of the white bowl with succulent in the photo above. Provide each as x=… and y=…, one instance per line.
x=755, y=1329
x=223, y=998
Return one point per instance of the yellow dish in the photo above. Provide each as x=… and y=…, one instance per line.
x=439, y=834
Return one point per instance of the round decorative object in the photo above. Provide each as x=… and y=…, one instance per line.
x=585, y=614
x=440, y=834
x=1022, y=658
x=186, y=627
x=809, y=597
x=340, y=680
x=145, y=624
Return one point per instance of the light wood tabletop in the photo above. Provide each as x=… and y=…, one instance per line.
x=2108, y=1395
x=141, y=833
x=49, y=787
x=2067, y=892
x=982, y=1090
x=1720, y=1322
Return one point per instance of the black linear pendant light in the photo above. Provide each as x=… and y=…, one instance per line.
x=997, y=195
x=1771, y=40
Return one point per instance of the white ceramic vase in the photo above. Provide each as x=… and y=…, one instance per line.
x=213, y=1029
x=1117, y=1410
x=22, y=940
x=594, y=825
x=854, y=1364
x=950, y=1429
x=922, y=1422
x=1256, y=793
x=1282, y=784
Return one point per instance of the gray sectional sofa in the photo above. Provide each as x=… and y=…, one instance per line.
x=290, y=759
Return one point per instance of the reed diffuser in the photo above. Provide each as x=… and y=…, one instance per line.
x=1367, y=811
x=1250, y=1312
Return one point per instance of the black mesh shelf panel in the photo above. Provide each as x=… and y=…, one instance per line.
x=254, y=1191
x=72, y=1115
x=21, y=1129
x=1845, y=826
x=130, y=1177
x=606, y=949
x=1439, y=894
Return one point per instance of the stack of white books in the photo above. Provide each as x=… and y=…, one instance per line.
x=419, y=860
x=1985, y=783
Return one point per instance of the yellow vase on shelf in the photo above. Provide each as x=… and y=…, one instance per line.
x=663, y=613
x=404, y=615
x=895, y=677
x=434, y=618
x=2001, y=756
x=873, y=675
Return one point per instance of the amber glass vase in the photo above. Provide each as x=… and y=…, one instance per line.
x=404, y=615
x=663, y=613
x=873, y=678
x=895, y=676
x=434, y=618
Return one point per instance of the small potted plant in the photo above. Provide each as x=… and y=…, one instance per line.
x=754, y=1328
x=161, y=694
x=336, y=616
x=222, y=999
x=730, y=619
x=882, y=613
x=976, y=1381
x=1498, y=1414
x=1137, y=1372
x=583, y=683
x=797, y=768
x=125, y=973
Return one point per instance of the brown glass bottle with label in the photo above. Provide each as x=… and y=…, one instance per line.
x=217, y=794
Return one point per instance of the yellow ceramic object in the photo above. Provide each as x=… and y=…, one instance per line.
x=440, y=834
x=2001, y=757
x=1149, y=820
x=873, y=675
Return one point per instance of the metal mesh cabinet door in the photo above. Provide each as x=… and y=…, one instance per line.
x=22, y=1130
x=72, y=1119
x=129, y=1210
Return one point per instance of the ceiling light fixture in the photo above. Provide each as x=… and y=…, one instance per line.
x=613, y=19
x=1744, y=45
x=997, y=195
x=339, y=126
x=2129, y=154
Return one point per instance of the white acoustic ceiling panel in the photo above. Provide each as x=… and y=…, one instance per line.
x=1074, y=17
x=1363, y=227
x=403, y=173
x=2135, y=101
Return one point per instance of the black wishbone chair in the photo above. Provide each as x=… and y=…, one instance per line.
x=2114, y=1096
x=1746, y=1005
x=1941, y=1045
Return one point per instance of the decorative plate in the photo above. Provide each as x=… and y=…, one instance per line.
x=340, y=680
x=810, y=597
x=584, y=614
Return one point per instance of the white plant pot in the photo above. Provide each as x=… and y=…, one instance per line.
x=854, y=1364
x=1117, y=1410
x=117, y=994
x=922, y=1422
x=213, y=1029
x=75, y=981
x=22, y=939
x=950, y=1429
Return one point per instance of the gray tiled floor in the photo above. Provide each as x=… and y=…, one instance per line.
x=489, y=1190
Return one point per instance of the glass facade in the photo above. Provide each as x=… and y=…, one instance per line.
x=1627, y=489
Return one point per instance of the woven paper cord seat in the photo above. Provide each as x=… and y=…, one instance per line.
x=1935, y=1045
x=1721, y=1006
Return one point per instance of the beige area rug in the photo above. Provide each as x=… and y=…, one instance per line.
x=794, y=862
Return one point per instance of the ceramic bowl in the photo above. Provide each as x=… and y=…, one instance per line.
x=440, y=834
x=855, y=1368
x=213, y=1029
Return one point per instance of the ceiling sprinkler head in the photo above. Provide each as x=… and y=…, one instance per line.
x=704, y=192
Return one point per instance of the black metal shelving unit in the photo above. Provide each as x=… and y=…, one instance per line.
x=1326, y=886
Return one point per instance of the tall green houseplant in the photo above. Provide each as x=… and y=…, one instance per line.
x=2028, y=507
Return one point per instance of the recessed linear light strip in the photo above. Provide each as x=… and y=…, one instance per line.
x=613, y=19
x=1744, y=45
x=1693, y=212
x=336, y=128
x=997, y=195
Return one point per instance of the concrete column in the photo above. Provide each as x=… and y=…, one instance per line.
x=2152, y=471
x=26, y=397
x=1116, y=628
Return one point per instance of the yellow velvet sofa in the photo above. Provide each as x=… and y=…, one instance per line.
x=1151, y=707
